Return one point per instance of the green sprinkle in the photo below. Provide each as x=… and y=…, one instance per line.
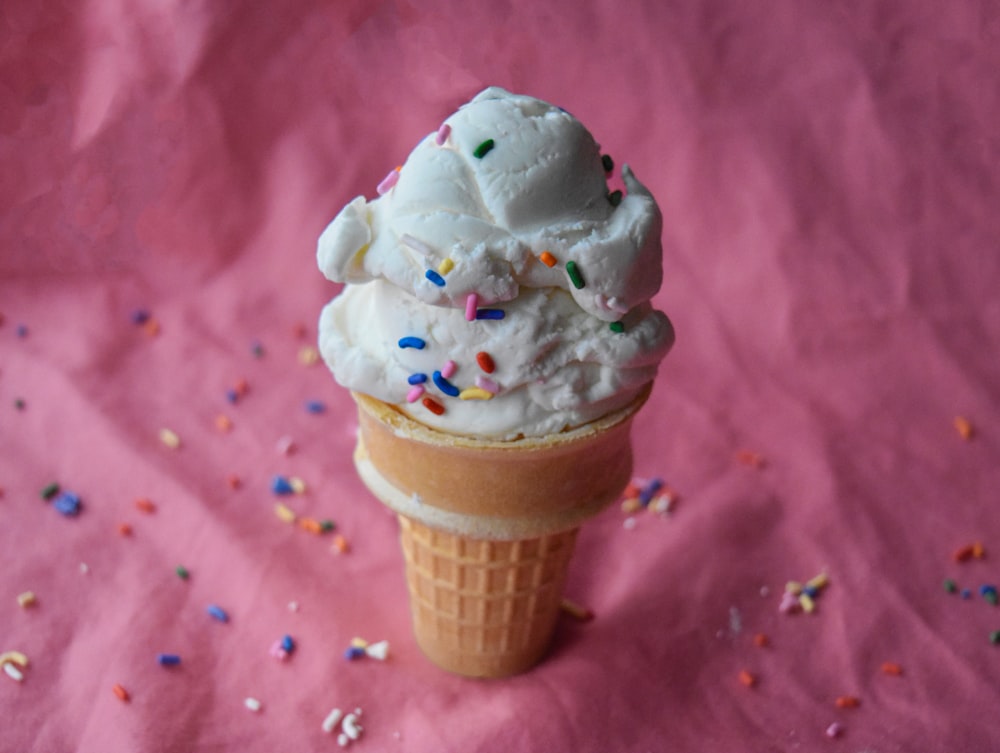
x=995, y=636
x=327, y=525
x=609, y=164
x=950, y=586
x=616, y=327
x=991, y=597
x=483, y=149
x=50, y=490
x=574, y=274
x=615, y=197
x=182, y=572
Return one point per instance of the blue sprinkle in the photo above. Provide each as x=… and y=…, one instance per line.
x=67, y=503
x=168, y=660
x=354, y=652
x=218, y=613
x=22, y=330
x=966, y=593
x=281, y=485
x=232, y=396
x=257, y=348
x=445, y=386
x=411, y=342
x=417, y=378
x=649, y=491
x=987, y=589
x=315, y=406
x=490, y=314
x=811, y=591
x=434, y=277
x=140, y=316
x=287, y=644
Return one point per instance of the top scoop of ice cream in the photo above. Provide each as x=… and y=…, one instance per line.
x=496, y=288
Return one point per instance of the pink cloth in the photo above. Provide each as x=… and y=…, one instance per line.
x=829, y=179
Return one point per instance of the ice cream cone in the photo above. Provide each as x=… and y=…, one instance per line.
x=488, y=527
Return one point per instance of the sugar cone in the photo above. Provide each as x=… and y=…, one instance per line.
x=487, y=527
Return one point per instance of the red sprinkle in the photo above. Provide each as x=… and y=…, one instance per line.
x=747, y=678
x=761, y=640
x=485, y=361
x=848, y=702
x=145, y=505
x=433, y=406
x=891, y=668
x=120, y=692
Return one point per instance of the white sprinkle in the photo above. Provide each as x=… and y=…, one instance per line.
x=330, y=723
x=351, y=727
x=253, y=704
x=378, y=651
x=293, y=606
x=343, y=740
x=417, y=245
x=735, y=621
x=765, y=592
x=13, y=672
x=170, y=439
x=84, y=568
x=629, y=523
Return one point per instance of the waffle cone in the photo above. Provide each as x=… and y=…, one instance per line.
x=487, y=528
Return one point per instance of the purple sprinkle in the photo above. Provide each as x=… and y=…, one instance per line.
x=646, y=495
x=315, y=406
x=353, y=653
x=168, y=660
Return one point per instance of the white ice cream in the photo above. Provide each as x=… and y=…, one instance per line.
x=480, y=224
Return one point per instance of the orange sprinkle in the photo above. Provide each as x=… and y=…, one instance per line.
x=311, y=525
x=485, y=361
x=750, y=458
x=964, y=428
x=120, y=693
x=848, y=702
x=547, y=259
x=761, y=640
x=576, y=611
x=151, y=327
x=233, y=481
x=145, y=505
x=978, y=552
x=223, y=423
x=433, y=406
x=891, y=668
x=124, y=529
x=340, y=545
x=632, y=490
x=747, y=678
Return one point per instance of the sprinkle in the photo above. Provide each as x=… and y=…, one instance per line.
x=27, y=599
x=285, y=446
x=144, y=505
x=964, y=428
x=995, y=637
x=950, y=586
x=891, y=668
x=298, y=485
x=217, y=612
x=151, y=327
x=760, y=640
x=340, y=545
x=966, y=593
x=124, y=529
x=970, y=551
x=834, y=730
x=848, y=702
x=308, y=355
x=418, y=378
x=182, y=572
x=281, y=485
x=311, y=524
x=576, y=611
x=315, y=406
x=483, y=149
x=615, y=197
x=989, y=593
x=277, y=651
x=223, y=423
x=252, y=704
x=807, y=603
x=444, y=385
x=475, y=393
x=14, y=657
x=750, y=458
x=332, y=720
x=547, y=259
x=378, y=651
x=649, y=490
x=434, y=277
x=168, y=660
x=471, y=302
x=233, y=481
x=417, y=245
x=139, y=317
x=13, y=672
x=631, y=505
x=574, y=274
x=257, y=349
x=446, y=266
x=293, y=606
x=84, y=568
x=618, y=327
x=232, y=396
x=350, y=725
x=327, y=525
x=287, y=643
x=449, y=369
x=120, y=693
x=607, y=163
x=388, y=182
x=353, y=653
x=67, y=503
x=50, y=490
x=22, y=329
x=411, y=342
x=414, y=394
x=487, y=384
x=747, y=679
x=818, y=582
x=490, y=313
x=485, y=361
x=442, y=134
x=170, y=439
x=284, y=513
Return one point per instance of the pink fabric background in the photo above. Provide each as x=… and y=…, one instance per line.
x=828, y=174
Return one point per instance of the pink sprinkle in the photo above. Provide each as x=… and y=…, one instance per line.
x=487, y=384
x=789, y=603
x=414, y=394
x=388, y=182
x=834, y=730
x=471, y=304
x=449, y=369
x=277, y=651
x=442, y=135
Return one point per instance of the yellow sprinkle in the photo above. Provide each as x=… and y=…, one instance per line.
x=297, y=484
x=308, y=355
x=630, y=505
x=964, y=427
x=26, y=599
x=820, y=581
x=576, y=611
x=793, y=587
x=446, y=266
x=475, y=393
x=284, y=512
x=359, y=643
x=170, y=439
x=14, y=657
x=805, y=600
